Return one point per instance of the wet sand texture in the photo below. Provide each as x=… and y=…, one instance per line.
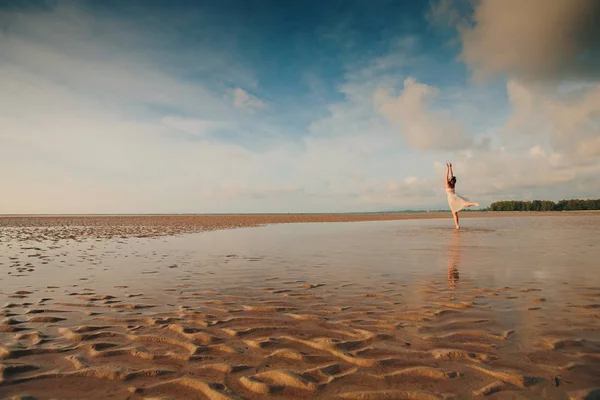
x=285, y=341
x=284, y=338
x=80, y=227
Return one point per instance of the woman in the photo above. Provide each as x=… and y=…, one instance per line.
x=455, y=201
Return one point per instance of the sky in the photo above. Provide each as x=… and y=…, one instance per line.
x=314, y=106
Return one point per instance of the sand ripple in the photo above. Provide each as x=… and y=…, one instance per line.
x=319, y=350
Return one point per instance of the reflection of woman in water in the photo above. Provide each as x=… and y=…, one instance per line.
x=455, y=201
x=454, y=260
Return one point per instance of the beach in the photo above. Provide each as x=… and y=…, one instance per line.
x=393, y=306
x=53, y=227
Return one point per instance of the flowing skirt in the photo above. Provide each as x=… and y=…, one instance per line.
x=456, y=202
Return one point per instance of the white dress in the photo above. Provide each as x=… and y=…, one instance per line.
x=455, y=201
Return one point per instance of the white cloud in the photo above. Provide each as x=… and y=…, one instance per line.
x=243, y=99
x=392, y=194
x=423, y=127
x=193, y=126
x=117, y=60
x=571, y=122
x=537, y=151
x=409, y=180
x=78, y=102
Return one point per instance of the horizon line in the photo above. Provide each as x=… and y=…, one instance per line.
x=233, y=213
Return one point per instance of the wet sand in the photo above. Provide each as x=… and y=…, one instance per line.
x=506, y=309
x=110, y=226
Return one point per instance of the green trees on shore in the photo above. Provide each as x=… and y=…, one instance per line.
x=546, y=205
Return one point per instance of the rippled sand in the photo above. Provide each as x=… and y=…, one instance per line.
x=508, y=308
x=81, y=227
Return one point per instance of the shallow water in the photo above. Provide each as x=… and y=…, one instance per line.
x=521, y=294
x=488, y=251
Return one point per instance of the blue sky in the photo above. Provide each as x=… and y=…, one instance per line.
x=264, y=106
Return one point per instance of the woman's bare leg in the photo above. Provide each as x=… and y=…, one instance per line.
x=456, y=220
x=471, y=204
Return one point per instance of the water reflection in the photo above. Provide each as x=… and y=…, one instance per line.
x=454, y=254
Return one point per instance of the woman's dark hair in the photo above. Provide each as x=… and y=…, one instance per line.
x=452, y=181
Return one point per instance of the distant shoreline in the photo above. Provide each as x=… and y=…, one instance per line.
x=218, y=220
x=390, y=213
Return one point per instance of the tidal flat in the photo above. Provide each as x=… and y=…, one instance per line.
x=149, y=307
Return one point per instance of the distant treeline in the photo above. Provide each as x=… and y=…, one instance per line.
x=545, y=205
